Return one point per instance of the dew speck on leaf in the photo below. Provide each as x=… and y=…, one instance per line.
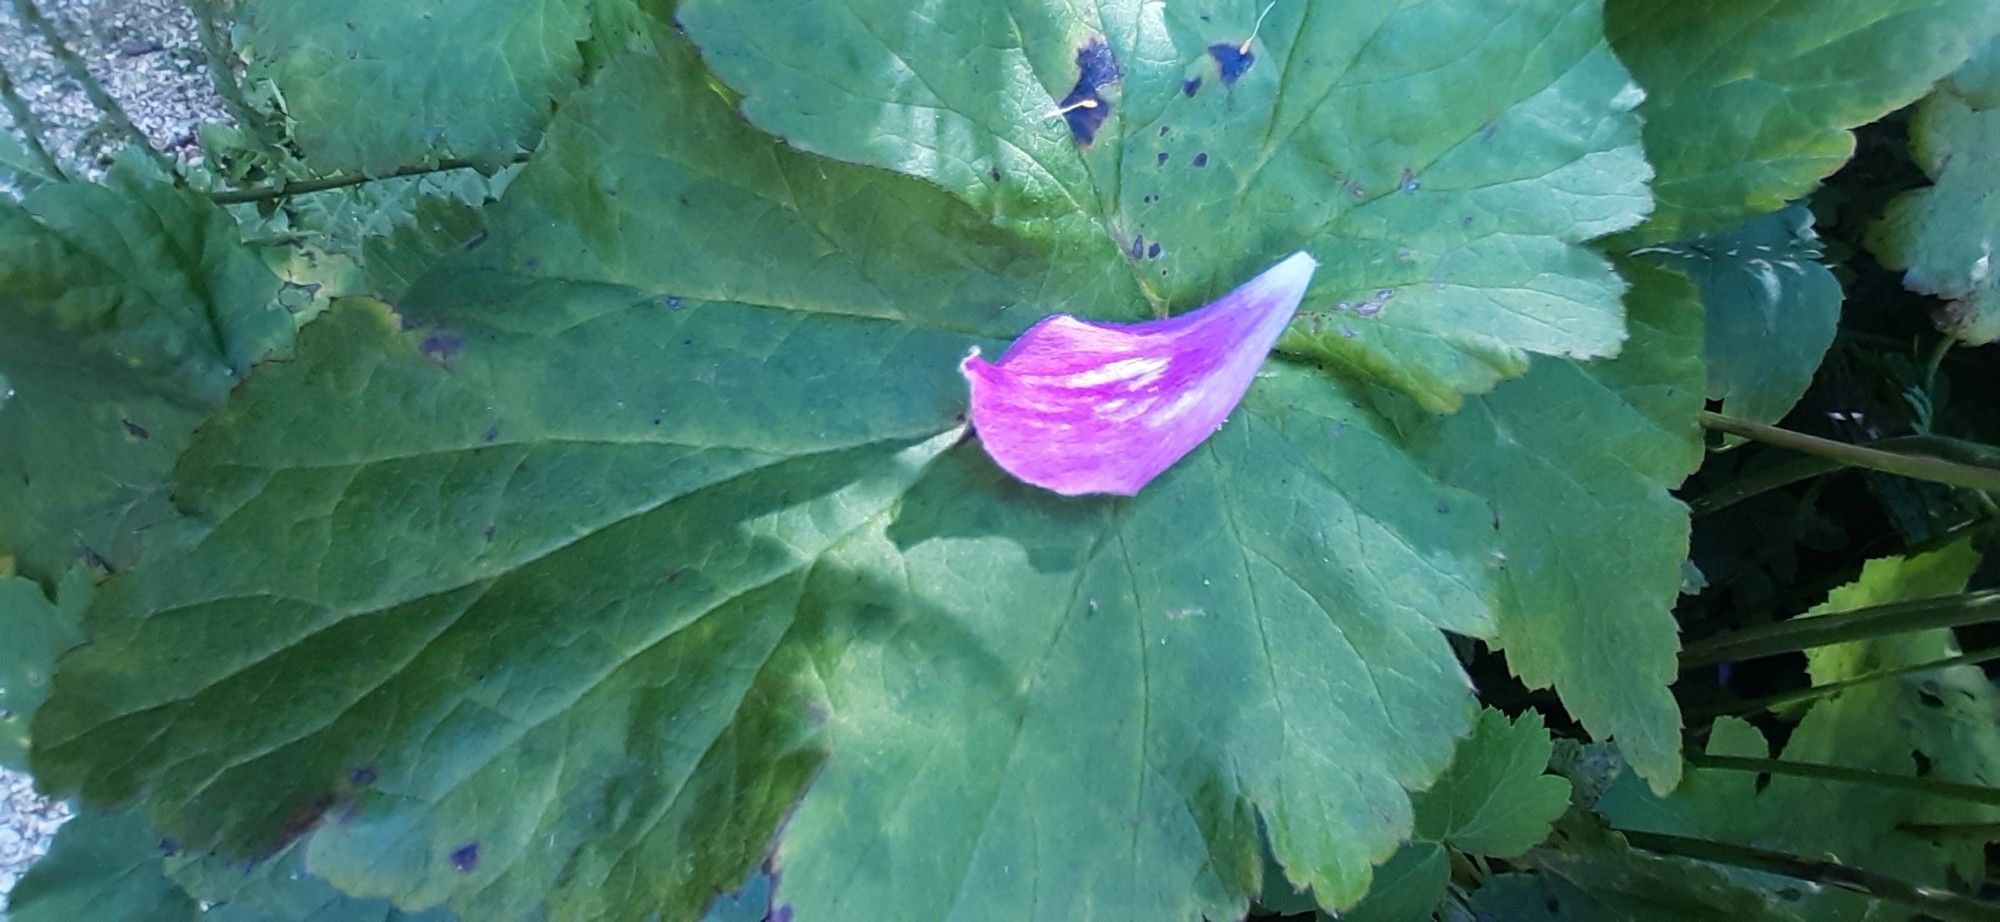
x=1409, y=182
x=1085, y=108
x=465, y=857
x=1231, y=61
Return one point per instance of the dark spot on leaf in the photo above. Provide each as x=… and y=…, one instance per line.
x=492, y=433
x=1161, y=160
x=1444, y=508
x=533, y=262
x=1486, y=134
x=1153, y=251
x=994, y=173
x=1354, y=189
x=489, y=532
x=362, y=776
x=1085, y=109
x=1138, y=249
x=136, y=431
x=304, y=820
x=1409, y=181
x=1929, y=698
x=441, y=345
x=465, y=857
x=169, y=847
x=1191, y=85
x=1922, y=761
x=1231, y=61
x=1163, y=131
x=1201, y=159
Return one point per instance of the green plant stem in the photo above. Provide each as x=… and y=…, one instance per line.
x=1973, y=793
x=1920, y=467
x=1942, y=904
x=28, y=126
x=1842, y=627
x=1936, y=361
x=1778, y=476
x=1784, y=699
x=324, y=183
x=80, y=72
x=1983, y=832
x=222, y=72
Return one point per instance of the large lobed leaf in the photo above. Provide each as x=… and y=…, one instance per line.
x=1749, y=103
x=652, y=523
x=1442, y=160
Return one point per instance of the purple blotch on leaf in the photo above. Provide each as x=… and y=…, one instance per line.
x=465, y=857
x=1231, y=61
x=1079, y=407
x=1191, y=85
x=1085, y=108
x=441, y=345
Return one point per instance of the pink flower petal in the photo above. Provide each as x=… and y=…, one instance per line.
x=1079, y=407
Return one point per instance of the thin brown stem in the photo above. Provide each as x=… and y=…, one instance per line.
x=324, y=183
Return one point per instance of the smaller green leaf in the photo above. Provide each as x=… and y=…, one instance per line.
x=1749, y=105
x=1943, y=235
x=1771, y=306
x=127, y=312
x=36, y=630
x=101, y=866
x=1496, y=799
x=1944, y=716
x=508, y=62
x=1407, y=887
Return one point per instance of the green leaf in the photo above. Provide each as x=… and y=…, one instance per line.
x=100, y=866
x=1771, y=306
x=1408, y=147
x=1945, y=716
x=1617, y=882
x=652, y=523
x=1577, y=460
x=114, y=866
x=509, y=62
x=127, y=312
x=36, y=629
x=1496, y=800
x=1943, y=234
x=1749, y=104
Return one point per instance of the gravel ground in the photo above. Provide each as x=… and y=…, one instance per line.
x=147, y=55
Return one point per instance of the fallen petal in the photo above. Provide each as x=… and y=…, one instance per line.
x=1080, y=407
